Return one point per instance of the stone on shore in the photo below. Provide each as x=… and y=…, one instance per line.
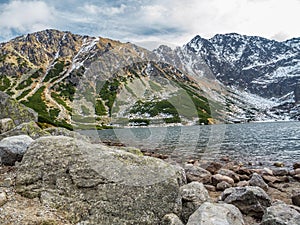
x=6, y=124
x=230, y=174
x=13, y=148
x=258, y=181
x=252, y=201
x=193, y=195
x=223, y=186
x=218, y=178
x=296, y=198
x=216, y=214
x=97, y=184
x=196, y=173
x=3, y=198
x=296, y=165
x=281, y=214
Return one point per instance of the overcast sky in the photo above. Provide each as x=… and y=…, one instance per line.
x=168, y=21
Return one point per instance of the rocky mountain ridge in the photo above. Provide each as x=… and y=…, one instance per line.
x=83, y=82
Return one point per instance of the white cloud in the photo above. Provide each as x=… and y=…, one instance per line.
x=173, y=21
x=23, y=16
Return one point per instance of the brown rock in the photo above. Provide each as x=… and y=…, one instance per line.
x=3, y=198
x=296, y=198
x=196, y=173
x=297, y=177
x=223, y=185
x=243, y=171
x=210, y=187
x=212, y=167
x=218, y=178
x=244, y=177
x=296, y=165
x=297, y=171
x=270, y=179
x=230, y=174
x=242, y=183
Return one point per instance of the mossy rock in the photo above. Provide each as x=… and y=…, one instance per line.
x=11, y=108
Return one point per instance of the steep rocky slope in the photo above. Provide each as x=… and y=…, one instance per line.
x=92, y=81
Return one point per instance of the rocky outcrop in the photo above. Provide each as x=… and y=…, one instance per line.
x=193, y=195
x=10, y=108
x=6, y=124
x=252, y=201
x=99, y=185
x=217, y=214
x=31, y=129
x=13, y=148
x=281, y=214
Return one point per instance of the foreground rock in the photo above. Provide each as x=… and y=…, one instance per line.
x=193, y=195
x=10, y=108
x=216, y=214
x=258, y=181
x=99, y=185
x=281, y=214
x=13, y=148
x=252, y=201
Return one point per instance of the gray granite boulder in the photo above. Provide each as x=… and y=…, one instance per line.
x=13, y=148
x=258, y=181
x=252, y=201
x=95, y=184
x=281, y=214
x=216, y=214
x=193, y=195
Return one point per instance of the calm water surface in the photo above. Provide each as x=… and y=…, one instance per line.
x=259, y=143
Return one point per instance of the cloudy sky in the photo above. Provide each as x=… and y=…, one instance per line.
x=151, y=21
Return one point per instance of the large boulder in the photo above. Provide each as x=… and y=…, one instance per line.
x=11, y=108
x=60, y=131
x=95, y=184
x=281, y=214
x=216, y=214
x=252, y=201
x=193, y=195
x=6, y=124
x=13, y=148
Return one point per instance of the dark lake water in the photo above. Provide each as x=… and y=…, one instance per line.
x=259, y=143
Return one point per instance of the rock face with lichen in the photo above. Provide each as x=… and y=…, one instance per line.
x=99, y=185
x=19, y=113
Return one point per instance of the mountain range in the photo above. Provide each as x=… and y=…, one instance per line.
x=81, y=82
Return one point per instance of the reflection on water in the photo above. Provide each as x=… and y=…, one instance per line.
x=254, y=142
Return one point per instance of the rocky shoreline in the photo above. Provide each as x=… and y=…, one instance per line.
x=55, y=176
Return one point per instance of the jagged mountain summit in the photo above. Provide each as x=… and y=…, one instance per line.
x=82, y=81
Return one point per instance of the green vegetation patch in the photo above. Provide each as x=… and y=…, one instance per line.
x=67, y=90
x=55, y=71
x=4, y=83
x=100, y=109
x=108, y=92
x=24, y=93
x=24, y=84
x=60, y=101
